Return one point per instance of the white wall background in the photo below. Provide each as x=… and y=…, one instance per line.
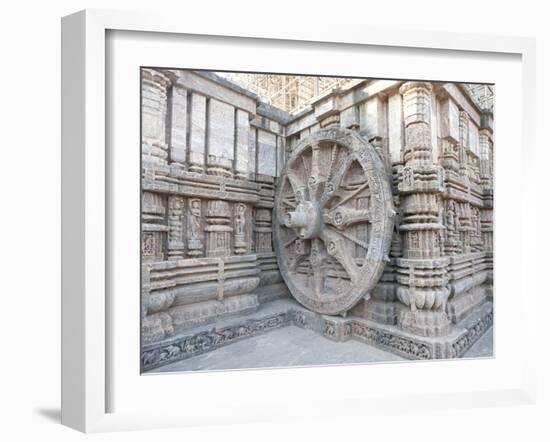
x=30, y=215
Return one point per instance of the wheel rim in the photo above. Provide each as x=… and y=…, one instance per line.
x=333, y=220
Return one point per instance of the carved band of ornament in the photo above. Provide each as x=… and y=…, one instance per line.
x=472, y=334
x=412, y=85
x=193, y=191
x=402, y=345
x=202, y=342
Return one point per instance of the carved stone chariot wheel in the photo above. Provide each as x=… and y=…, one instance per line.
x=333, y=220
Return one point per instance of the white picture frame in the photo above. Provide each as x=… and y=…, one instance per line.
x=86, y=315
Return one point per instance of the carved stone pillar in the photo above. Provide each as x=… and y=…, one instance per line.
x=486, y=221
x=464, y=134
x=421, y=273
x=178, y=126
x=218, y=230
x=153, y=227
x=452, y=245
x=175, y=227
x=154, y=92
x=465, y=227
x=486, y=151
x=242, y=130
x=194, y=230
x=263, y=231
x=221, y=138
x=486, y=171
x=476, y=241
x=450, y=135
x=197, y=133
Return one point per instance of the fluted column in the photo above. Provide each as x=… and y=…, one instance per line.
x=154, y=93
x=421, y=271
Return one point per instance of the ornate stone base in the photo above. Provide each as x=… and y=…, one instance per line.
x=388, y=337
x=424, y=323
x=287, y=312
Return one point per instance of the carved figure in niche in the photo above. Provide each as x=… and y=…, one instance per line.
x=240, y=219
x=408, y=176
x=476, y=222
x=240, y=229
x=194, y=227
x=451, y=216
x=441, y=239
x=148, y=247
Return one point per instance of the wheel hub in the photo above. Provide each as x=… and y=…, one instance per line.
x=306, y=220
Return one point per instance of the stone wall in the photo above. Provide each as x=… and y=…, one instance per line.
x=438, y=149
x=211, y=154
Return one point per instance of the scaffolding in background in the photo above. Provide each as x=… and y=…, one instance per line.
x=483, y=94
x=290, y=93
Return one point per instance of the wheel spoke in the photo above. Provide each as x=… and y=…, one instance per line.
x=290, y=241
x=336, y=247
x=333, y=184
x=354, y=239
x=316, y=258
x=298, y=186
x=343, y=217
x=288, y=203
x=294, y=262
x=316, y=178
x=354, y=193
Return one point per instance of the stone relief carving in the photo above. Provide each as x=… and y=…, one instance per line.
x=194, y=244
x=333, y=225
x=218, y=231
x=175, y=227
x=241, y=244
x=316, y=211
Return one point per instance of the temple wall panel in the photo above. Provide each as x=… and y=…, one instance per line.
x=212, y=153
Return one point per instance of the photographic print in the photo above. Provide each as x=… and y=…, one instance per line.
x=300, y=220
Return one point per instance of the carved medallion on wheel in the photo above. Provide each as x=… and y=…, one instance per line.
x=334, y=220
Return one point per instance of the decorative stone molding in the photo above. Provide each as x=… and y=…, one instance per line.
x=422, y=271
x=389, y=338
x=205, y=341
x=218, y=231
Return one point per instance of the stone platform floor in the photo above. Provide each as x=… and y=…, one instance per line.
x=294, y=347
